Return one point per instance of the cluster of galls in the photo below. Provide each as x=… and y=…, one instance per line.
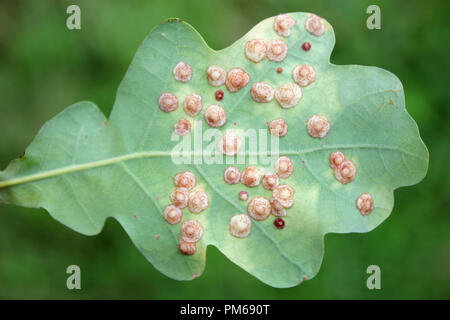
x=214, y=115
x=256, y=50
x=345, y=172
x=344, y=169
x=196, y=201
x=283, y=24
x=289, y=94
x=192, y=105
x=191, y=231
x=260, y=208
x=234, y=80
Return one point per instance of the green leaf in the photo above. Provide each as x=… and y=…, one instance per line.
x=83, y=168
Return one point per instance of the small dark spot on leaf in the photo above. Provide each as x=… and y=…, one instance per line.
x=279, y=70
x=306, y=46
x=135, y=216
x=279, y=223
x=390, y=101
x=22, y=155
x=219, y=95
x=158, y=236
x=243, y=195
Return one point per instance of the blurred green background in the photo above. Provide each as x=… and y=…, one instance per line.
x=44, y=67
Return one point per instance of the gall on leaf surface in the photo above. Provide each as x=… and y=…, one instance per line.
x=83, y=168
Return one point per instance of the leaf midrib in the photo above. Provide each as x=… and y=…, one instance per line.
x=156, y=154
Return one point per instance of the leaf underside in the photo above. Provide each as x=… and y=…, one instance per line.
x=83, y=168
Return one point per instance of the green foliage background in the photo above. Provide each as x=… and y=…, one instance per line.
x=44, y=67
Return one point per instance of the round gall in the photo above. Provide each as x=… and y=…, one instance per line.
x=278, y=127
x=179, y=197
x=270, y=181
x=277, y=50
x=216, y=75
x=283, y=24
x=243, y=195
x=284, y=194
x=182, y=72
x=262, y=92
x=182, y=127
x=256, y=50
x=215, y=116
x=277, y=209
x=364, y=203
x=314, y=25
x=288, y=95
x=240, y=226
x=173, y=214
x=187, y=248
x=336, y=158
x=304, y=75
x=284, y=167
x=185, y=179
x=192, y=104
x=219, y=95
x=168, y=102
x=229, y=144
x=232, y=175
x=251, y=177
x=191, y=231
x=318, y=126
x=198, y=201
x=279, y=223
x=306, y=46
x=345, y=172
x=237, y=78
x=259, y=208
